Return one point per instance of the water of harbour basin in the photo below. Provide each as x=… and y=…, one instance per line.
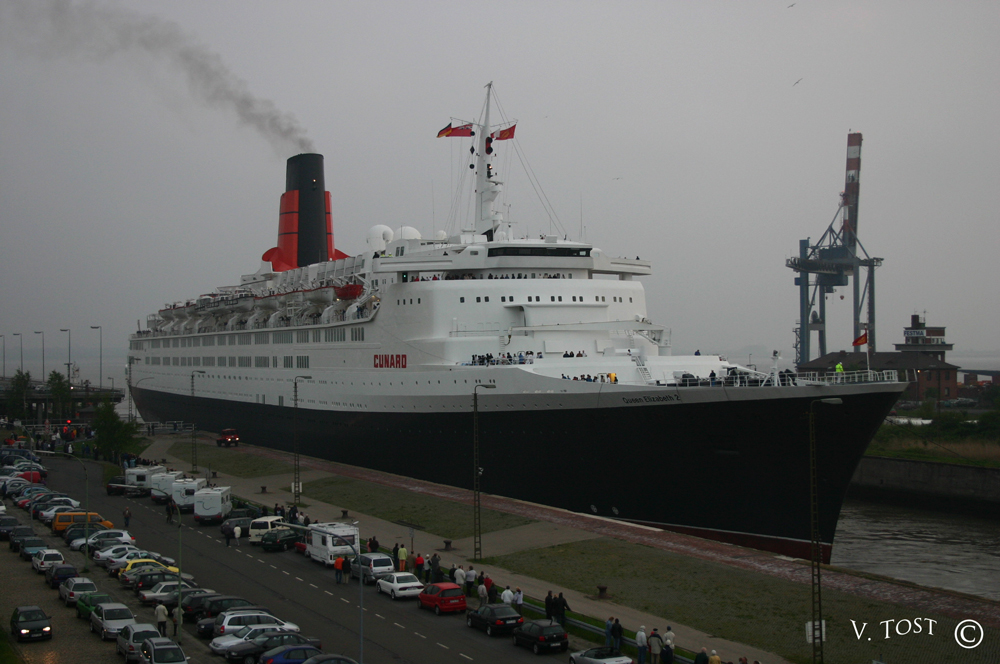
x=936, y=549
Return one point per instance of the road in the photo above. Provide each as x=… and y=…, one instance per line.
x=294, y=588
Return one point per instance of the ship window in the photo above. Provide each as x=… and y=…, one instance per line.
x=302, y=336
x=232, y=339
x=287, y=361
x=503, y=298
x=281, y=400
x=176, y=343
x=487, y=298
x=222, y=361
x=262, y=361
x=560, y=298
x=274, y=361
x=232, y=361
x=315, y=336
x=479, y=299
x=552, y=297
x=418, y=300
x=301, y=361
x=411, y=300
x=461, y=299
x=574, y=298
x=630, y=299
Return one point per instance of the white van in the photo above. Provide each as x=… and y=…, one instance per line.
x=212, y=504
x=161, y=484
x=184, y=491
x=326, y=541
x=139, y=478
x=264, y=524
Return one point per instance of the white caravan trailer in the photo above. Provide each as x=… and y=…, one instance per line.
x=139, y=478
x=326, y=541
x=212, y=504
x=162, y=484
x=184, y=492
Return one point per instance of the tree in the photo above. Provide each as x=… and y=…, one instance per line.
x=17, y=395
x=60, y=393
x=114, y=435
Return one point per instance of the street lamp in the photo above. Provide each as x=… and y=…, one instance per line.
x=361, y=595
x=194, y=447
x=4, y=355
x=43, y=353
x=180, y=574
x=816, y=553
x=297, y=478
x=100, y=375
x=69, y=354
x=477, y=471
x=19, y=336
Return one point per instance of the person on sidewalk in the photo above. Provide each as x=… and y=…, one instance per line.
x=227, y=532
x=237, y=531
x=507, y=597
x=427, y=569
x=560, y=606
x=460, y=577
x=549, y=599
x=617, y=632
x=702, y=657
x=608, y=625
x=519, y=602
x=177, y=617
x=401, y=557
x=483, y=595
x=470, y=581
x=395, y=557
x=338, y=569
x=714, y=659
x=655, y=643
x=161, y=619
x=418, y=565
x=668, y=646
x=126, y=516
x=641, y=643
x=170, y=510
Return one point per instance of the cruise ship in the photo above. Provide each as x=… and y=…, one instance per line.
x=581, y=404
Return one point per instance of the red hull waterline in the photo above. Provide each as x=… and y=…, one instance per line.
x=792, y=548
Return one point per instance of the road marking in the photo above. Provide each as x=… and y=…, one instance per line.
x=378, y=616
x=328, y=593
x=260, y=561
x=314, y=586
x=297, y=579
x=465, y=656
x=444, y=646
x=420, y=635
x=346, y=601
x=273, y=567
x=285, y=573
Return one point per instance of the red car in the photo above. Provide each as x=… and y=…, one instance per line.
x=442, y=597
x=228, y=437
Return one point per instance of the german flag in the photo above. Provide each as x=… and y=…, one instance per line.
x=461, y=130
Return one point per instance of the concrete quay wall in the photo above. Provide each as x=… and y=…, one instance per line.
x=970, y=485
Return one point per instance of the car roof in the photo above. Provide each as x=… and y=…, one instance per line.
x=113, y=605
x=29, y=607
x=161, y=642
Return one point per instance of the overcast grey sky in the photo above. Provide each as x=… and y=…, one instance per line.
x=142, y=149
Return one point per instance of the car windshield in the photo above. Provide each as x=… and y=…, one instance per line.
x=33, y=615
x=452, y=592
x=117, y=614
x=97, y=598
x=167, y=655
x=406, y=578
x=382, y=562
x=84, y=588
x=553, y=630
x=139, y=637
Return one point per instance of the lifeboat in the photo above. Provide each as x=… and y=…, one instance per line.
x=349, y=292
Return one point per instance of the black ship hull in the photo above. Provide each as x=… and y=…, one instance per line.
x=733, y=470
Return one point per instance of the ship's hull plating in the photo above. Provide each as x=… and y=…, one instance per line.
x=730, y=470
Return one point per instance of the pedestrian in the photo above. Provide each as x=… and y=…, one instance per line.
x=411, y=563
x=427, y=569
x=374, y=544
x=656, y=646
x=617, y=631
x=641, y=643
x=491, y=592
x=702, y=657
x=126, y=515
x=608, y=639
x=548, y=605
x=395, y=556
x=451, y=573
x=460, y=577
x=402, y=555
x=338, y=568
x=470, y=581
x=519, y=602
x=508, y=596
x=277, y=510
x=668, y=646
x=170, y=510
x=561, y=606
x=237, y=531
x=483, y=595
x=227, y=532
x=306, y=521
x=436, y=575
x=714, y=659
x=177, y=617
x=161, y=619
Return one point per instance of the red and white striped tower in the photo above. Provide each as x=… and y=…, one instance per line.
x=851, y=188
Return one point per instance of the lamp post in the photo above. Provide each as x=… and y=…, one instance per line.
x=361, y=599
x=43, y=353
x=816, y=552
x=194, y=447
x=180, y=577
x=69, y=354
x=477, y=471
x=100, y=375
x=21, y=337
x=297, y=477
x=4, y=355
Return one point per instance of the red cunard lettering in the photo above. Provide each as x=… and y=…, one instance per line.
x=390, y=361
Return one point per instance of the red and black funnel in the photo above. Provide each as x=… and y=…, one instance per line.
x=305, y=227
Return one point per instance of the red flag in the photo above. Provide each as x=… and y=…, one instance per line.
x=862, y=340
x=461, y=130
x=504, y=134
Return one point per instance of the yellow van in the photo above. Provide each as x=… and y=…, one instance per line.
x=63, y=520
x=149, y=562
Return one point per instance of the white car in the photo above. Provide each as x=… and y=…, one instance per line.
x=113, y=551
x=108, y=619
x=71, y=589
x=46, y=558
x=602, y=655
x=130, y=638
x=51, y=512
x=402, y=584
x=161, y=591
x=102, y=539
x=220, y=644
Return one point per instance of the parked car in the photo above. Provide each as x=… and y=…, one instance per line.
x=230, y=524
x=78, y=530
x=602, y=655
x=29, y=546
x=46, y=558
x=130, y=639
x=235, y=620
x=442, y=597
x=213, y=606
x=57, y=574
x=373, y=565
x=170, y=601
x=17, y=534
x=149, y=579
x=494, y=619
x=161, y=591
x=289, y=654
x=40, y=506
x=401, y=584
x=30, y=622
x=116, y=486
x=7, y=524
x=541, y=636
x=160, y=650
x=220, y=644
x=103, y=539
x=85, y=603
x=105, y=555
x=47, y=515
x=281, y=539
x=108, y=619
x=269, y=641
x=74, y=587
x=326, y=658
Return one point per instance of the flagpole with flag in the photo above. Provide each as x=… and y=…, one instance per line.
x=863, y=341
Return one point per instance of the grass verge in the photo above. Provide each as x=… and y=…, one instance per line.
x=7, y=653
x=229, y=460
x=738, y=605
x=442, y=517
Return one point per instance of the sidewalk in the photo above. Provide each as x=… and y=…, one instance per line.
x=547, y=531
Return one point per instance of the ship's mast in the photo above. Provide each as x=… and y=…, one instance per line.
x=487, y=189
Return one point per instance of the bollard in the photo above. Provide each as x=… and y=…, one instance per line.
x=447, y=545
x=602, y=592
x=263, y=489
x=343, y=514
